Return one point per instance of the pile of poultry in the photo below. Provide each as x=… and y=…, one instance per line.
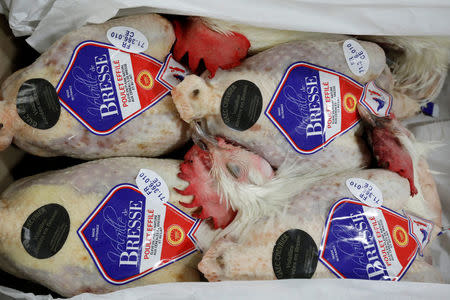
x=300, y=166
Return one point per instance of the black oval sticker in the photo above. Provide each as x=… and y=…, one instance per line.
x=295, y=255
x=241, y=105
x=45, y=231
x=38, y=103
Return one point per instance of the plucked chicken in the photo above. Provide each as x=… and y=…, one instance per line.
x=232, y=104
x=115, y=223
x=83, y=96
x=418, y=64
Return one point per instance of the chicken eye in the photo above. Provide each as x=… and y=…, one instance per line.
x=234, y=170
x=195, y=93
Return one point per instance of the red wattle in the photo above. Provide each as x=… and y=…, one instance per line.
x=392, y=155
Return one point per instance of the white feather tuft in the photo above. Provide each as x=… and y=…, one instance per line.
x=263, y=38
x=254, y=202
x=419, y=64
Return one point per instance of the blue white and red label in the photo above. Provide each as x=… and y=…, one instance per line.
x=421, y=229
x=376, y=100
x=130, y=235
x=104, y=87
x=364, y=242
x=313, y=105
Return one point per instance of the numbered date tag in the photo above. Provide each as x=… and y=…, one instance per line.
x=365, y=191
x=356, y=56
x=152, y=185
x=127, y=39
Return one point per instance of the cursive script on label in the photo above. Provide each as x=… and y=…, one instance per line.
x=124, y=233
x=115, y=229
x=87, y=85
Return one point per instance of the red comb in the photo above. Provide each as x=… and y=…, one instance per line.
x=195, y=169
x=201, y=42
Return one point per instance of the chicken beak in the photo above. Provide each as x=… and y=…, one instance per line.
x=371, y=119
x=200, y=137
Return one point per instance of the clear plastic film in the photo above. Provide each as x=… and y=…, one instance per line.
x=349, y=225
x=372, y=243
x=200, y=135
x=108, y=94
x=115, y=221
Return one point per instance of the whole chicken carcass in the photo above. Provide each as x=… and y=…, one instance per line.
x=95, y=79
x=250, y=251
x=226, y=190
x=41, y=218
x=113, y=223
x=258, y=213
x=232, y=105
x=418, y=64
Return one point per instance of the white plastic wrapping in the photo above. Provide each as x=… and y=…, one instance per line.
x=402, y=17
x=279, y=289
x=23, y=17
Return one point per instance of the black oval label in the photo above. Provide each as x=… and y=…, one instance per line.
x=241, y=105
x=45, y=231
x=295, y=255
x=38, y=103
